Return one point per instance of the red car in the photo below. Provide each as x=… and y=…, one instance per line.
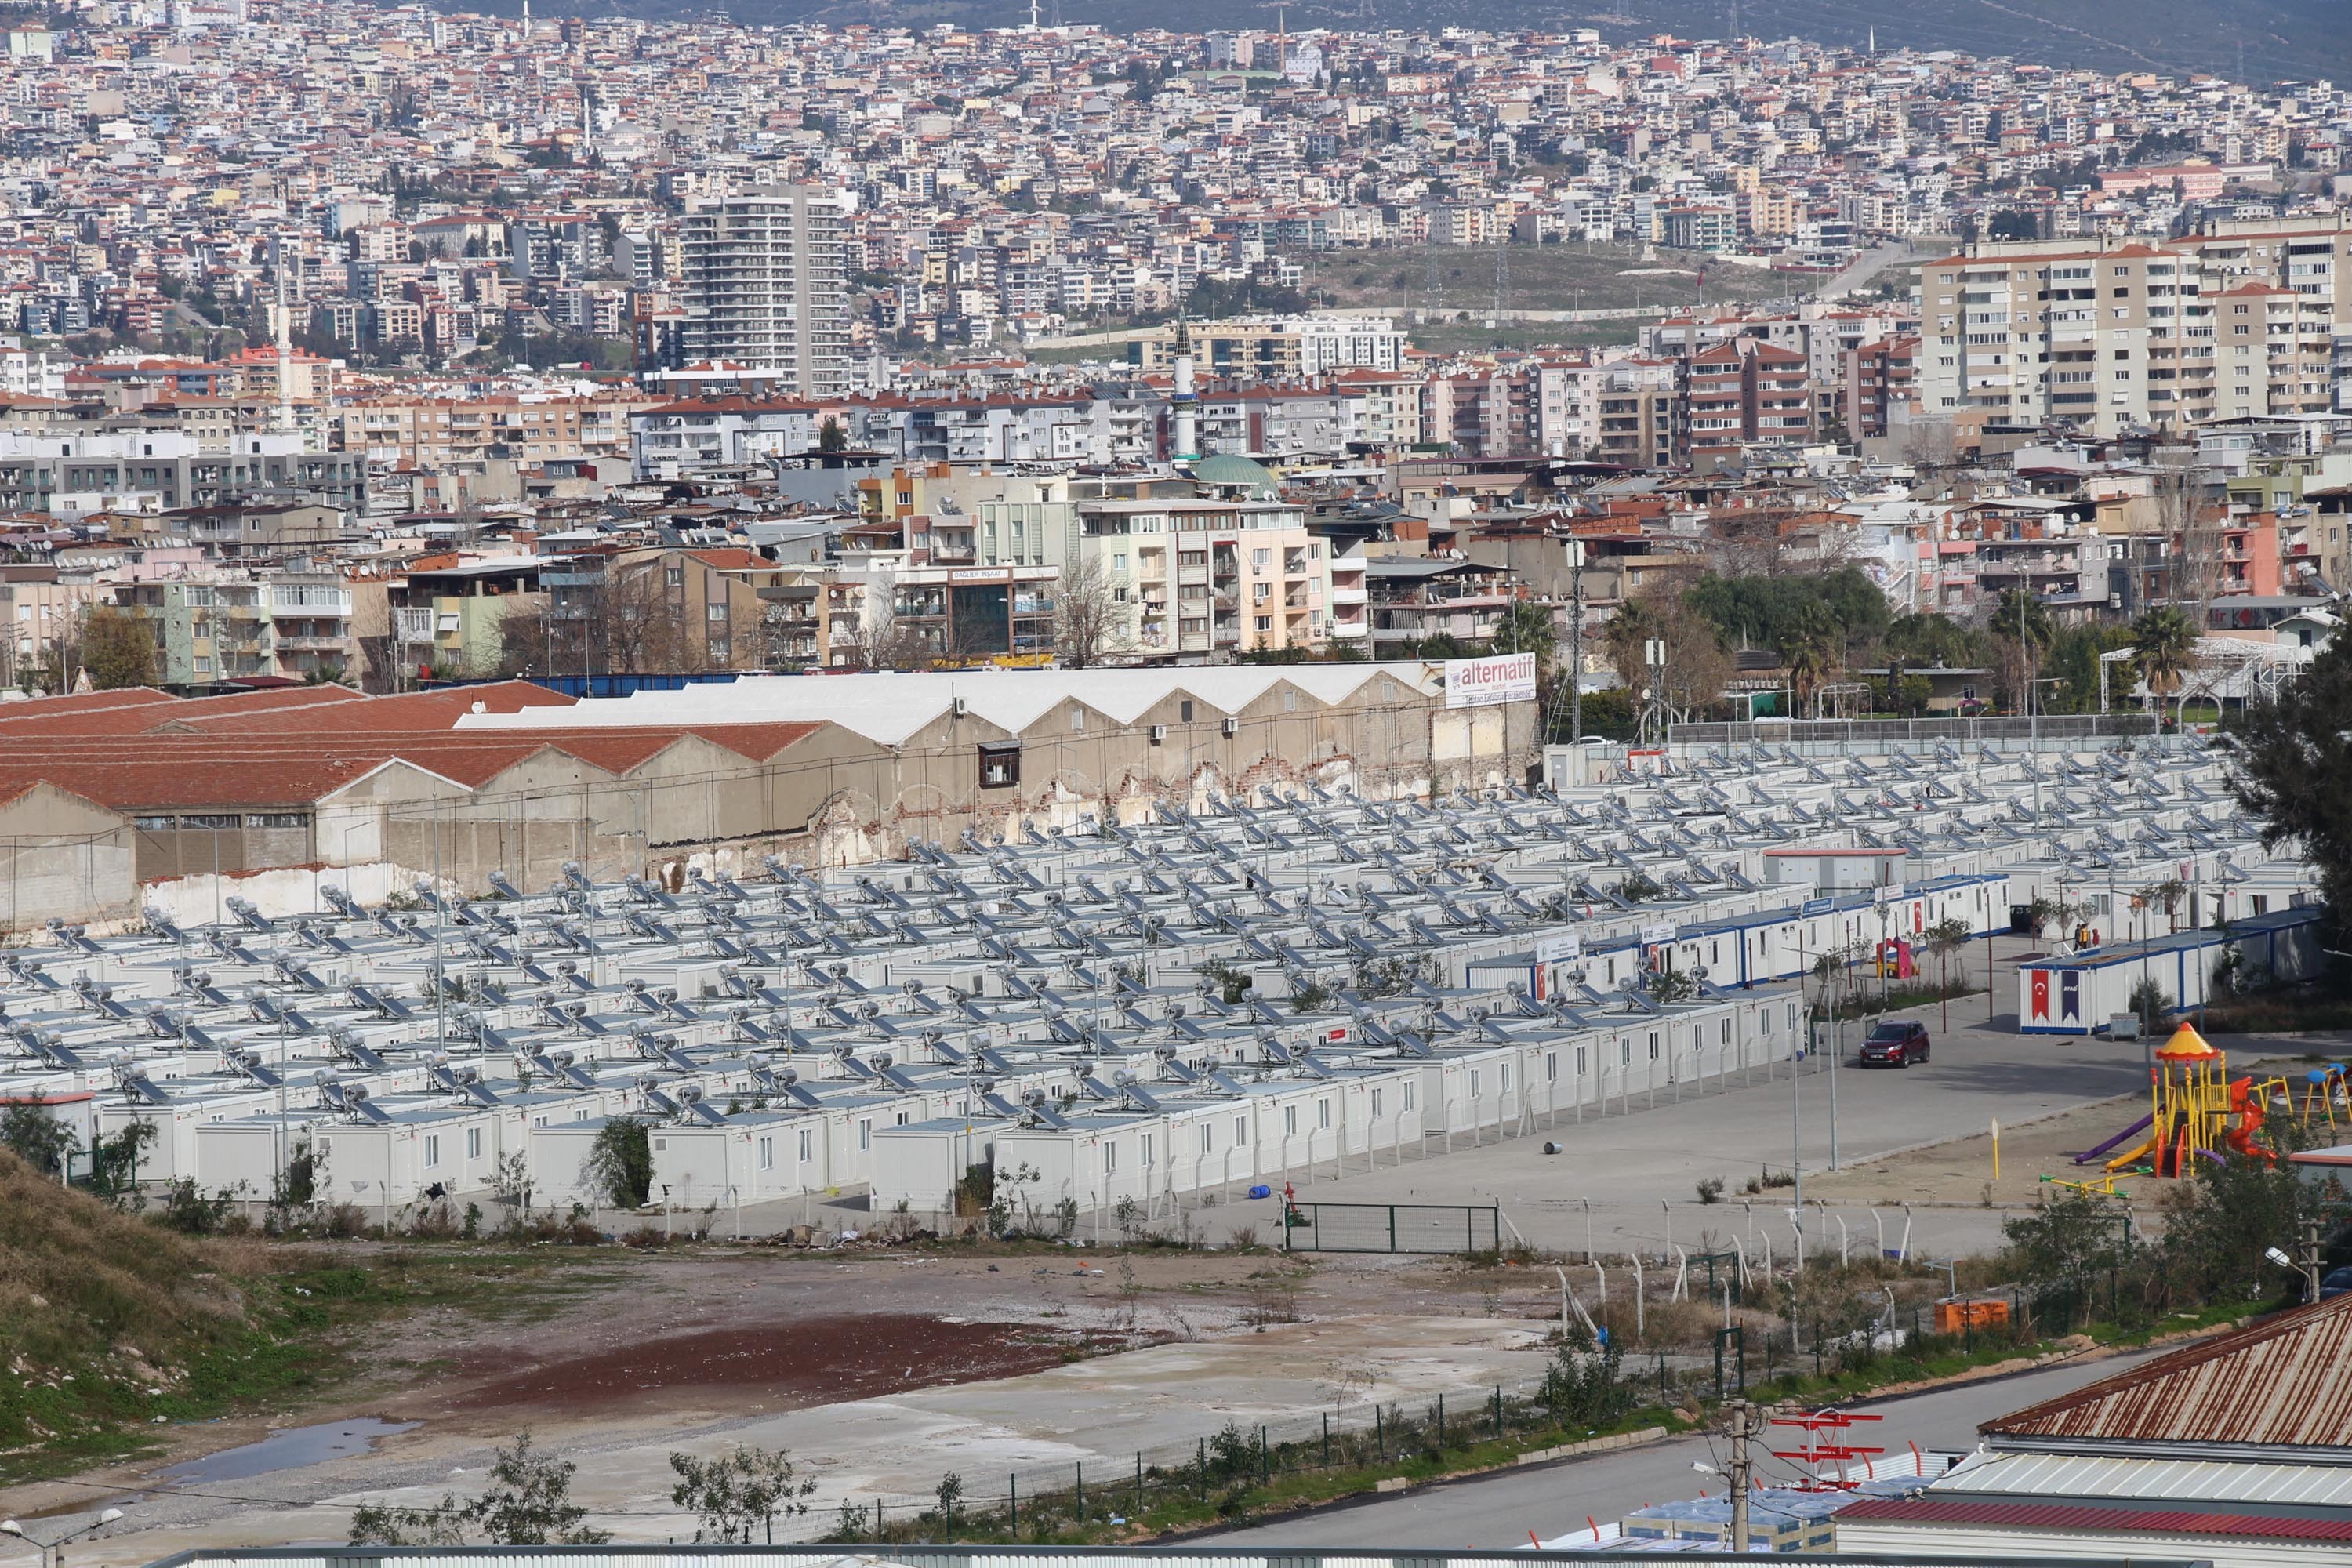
x=1895, y=1045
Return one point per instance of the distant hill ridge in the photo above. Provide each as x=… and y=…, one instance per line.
x=2259, y=41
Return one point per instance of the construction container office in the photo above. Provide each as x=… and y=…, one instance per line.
x=2079, y=993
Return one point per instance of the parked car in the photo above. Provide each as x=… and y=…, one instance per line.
x=2334, y=1283
x=1895, y=1045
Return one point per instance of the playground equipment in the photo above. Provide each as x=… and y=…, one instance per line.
x=2322, y=1088
x=2195, y=1109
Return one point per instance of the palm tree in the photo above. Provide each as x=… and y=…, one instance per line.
x=2022, y=621
x=2164, y=649
x=2022, y=617
x=1813, y=663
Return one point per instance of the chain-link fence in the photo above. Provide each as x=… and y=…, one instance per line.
x=1884, y=732
x=1225, y=1471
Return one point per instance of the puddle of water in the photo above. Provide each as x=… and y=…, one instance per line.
x=290, y=1450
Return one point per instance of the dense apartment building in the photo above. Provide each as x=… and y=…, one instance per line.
x=765, y=285
x=442, y=432
x=1877, y=385
x=218, y=623
x=1743, y=392
x=1192, y=576
x=1638, y=400
x=2242, y=320
x=1273, y=348
x=75, y=468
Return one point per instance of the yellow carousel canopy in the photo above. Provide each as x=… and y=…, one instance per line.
x=2187, y=1046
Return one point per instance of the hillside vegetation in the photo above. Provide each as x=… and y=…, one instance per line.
x=112, y=1326
x=1542, y=277
x=106, y=1320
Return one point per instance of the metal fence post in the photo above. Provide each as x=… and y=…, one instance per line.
x=1081, y=1491
x=1013, y=1491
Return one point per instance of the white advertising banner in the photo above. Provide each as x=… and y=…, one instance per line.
x=1482, y=682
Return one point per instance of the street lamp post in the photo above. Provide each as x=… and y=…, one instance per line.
x=53, y=1551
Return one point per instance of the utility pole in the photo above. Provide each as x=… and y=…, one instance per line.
x=1576, y=642
x=2307, y=1260
x=1747, y=1422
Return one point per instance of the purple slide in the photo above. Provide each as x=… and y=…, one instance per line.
x=2103, y=1150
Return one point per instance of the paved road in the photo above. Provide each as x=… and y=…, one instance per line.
x=1625, y=1165
x=1896, y=253
x=1499, y=1512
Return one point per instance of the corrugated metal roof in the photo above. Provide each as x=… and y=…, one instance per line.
x=2285, y=1382
x=2074, y=1475
x=2090, y=1517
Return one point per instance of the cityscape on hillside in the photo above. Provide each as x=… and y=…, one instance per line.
x=1305, y=794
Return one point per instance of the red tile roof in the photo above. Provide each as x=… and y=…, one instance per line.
x=138, y=718
x=41, y=707
x=436, y=709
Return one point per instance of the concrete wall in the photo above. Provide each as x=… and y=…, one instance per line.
x=64, y=858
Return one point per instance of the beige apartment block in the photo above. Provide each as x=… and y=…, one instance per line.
x=2242, y=319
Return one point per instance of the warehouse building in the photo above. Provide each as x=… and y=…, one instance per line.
x=458, y=783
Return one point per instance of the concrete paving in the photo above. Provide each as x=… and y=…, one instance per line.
x=1630, y=1180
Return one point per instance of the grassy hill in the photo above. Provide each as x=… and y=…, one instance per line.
x=1542, y=277
x=109, y=1321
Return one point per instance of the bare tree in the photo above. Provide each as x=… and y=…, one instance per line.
x=1928, y=444
x=1697, y=666
x=1089, y=620
x=2193, y=532
x=882, y=640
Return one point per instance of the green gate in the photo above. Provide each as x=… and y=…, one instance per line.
x=1391, y=1227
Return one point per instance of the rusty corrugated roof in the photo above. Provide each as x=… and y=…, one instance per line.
x=2287, y=1381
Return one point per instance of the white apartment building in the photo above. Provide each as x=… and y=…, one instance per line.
x=765, y=285
x=31, y=373
x=1196, y=577
x=2244, y=320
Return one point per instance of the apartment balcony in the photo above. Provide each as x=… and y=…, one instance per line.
x=304, y=600
x=413, y=625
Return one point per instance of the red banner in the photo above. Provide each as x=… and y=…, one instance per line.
x=2042, y=993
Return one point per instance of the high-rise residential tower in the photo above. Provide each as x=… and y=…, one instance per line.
x=765, y=286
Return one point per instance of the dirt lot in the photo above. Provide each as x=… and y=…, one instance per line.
x=676, y=1340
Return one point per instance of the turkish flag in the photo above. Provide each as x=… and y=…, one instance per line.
x=2042, y=993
